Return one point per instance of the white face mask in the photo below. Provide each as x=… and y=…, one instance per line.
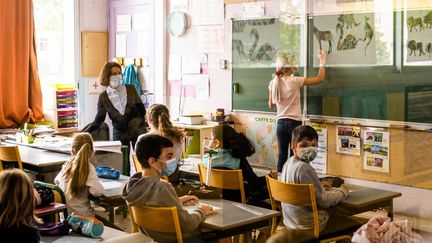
x=308, y=154
x=116, y=80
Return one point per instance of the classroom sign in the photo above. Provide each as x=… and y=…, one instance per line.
x=348, y=140
x=376, y=151
x=320, y=162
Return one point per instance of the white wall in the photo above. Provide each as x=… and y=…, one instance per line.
x=93, y=16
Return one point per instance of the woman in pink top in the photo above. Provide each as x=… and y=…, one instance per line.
x=284, y=92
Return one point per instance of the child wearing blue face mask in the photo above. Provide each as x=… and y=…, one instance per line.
x=298, y=170
x=155, y=154
x=123, y=105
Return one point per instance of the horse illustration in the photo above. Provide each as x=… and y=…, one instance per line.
x=414, y=22
x=428, y=20
x=347, y=19
x=369, y=33
x=323, y=36
x=412, y=46
x=429, y=48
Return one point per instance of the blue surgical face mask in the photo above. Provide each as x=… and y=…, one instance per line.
x=171, y=166
x=308, y=154
x=116, y=80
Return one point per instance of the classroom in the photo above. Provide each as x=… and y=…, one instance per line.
x=216, y=121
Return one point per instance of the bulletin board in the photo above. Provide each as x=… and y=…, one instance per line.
x=94, y=52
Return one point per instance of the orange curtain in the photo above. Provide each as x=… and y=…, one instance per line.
x=20, y=90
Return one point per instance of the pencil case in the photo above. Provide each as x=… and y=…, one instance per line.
x=107, y=172
x=85, y=225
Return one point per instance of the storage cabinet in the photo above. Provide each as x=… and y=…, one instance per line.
x=64, y=112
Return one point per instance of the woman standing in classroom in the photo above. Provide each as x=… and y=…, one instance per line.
x=284, y=92
x=123, y=105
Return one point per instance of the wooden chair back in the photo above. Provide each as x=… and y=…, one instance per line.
x=10, y=154
x=294, y=194
x=163, y=219
x=224, y=179
x=138, y=167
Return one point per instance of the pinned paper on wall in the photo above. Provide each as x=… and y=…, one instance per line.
x=179, y=5
x=140, y=21
x=211, y=39
x=124, y=23
x=174, y=87
x=200, y=83
x=253, y=10
x=348, y=140
x=190, y=64
x=189, y=91
x=94, y=87
x=121, y=45
x=174, y=67
x=376, y=146
x=320, y=162
x=142, y=45
x=207, y=12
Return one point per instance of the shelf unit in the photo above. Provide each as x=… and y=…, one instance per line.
x=63, y=111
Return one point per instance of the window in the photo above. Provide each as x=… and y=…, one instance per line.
x=54, y=23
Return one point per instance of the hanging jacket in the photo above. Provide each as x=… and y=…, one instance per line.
x=130, y=77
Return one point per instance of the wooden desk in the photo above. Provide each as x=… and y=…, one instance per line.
x=52, y=209
x=232, y=218
x=112, y=196
x=78, y=238
x=362, y=199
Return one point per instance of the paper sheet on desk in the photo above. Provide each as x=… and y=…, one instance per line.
x=111, y=184
x=191, y=208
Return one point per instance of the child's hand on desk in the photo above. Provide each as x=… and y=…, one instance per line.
x=344, y=190
x=207, y=209
x=189, y=200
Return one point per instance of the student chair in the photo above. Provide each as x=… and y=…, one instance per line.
x=59, y=195
x=224, y=179
x=164, y=219
x=138, y=167
x=10, y=154
x=304, y=195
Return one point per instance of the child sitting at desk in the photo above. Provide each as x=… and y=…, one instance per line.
x=17, y=203
x=298, y=170
x=234, y=147
x=155, y=154
x=159, y=122
x=78, y=178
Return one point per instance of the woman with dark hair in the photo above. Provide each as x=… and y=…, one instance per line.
x=233, y=148
x=123, y=105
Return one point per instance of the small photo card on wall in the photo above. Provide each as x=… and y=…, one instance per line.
x=348, y=140
x=376, y=150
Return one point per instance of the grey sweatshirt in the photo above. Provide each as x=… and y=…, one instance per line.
x=297, y=217
x=151, y=191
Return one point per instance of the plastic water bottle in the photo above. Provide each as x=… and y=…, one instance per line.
x=207, y=149
x=206, y=144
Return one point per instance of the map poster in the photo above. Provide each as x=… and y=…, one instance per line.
x=376, y=151
x=261, y=130
x=320, y=162
x=348, y=140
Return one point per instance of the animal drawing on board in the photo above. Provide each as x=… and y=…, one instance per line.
x=429, y=49
x=347, y=19
x=413, y=23
x=265, y=52
x=414, y=46
x=369, y=33
x=239, y=47
x=428, y=20
x=347, y=43
x=323, y=36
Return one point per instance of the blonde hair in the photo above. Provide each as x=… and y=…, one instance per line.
x=160, y=118
x=284, y=61
x=17, y=200
x=77, y=169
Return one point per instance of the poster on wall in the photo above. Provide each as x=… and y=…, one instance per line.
x=376, y=151
x=348, y=140
x=346, y=38
x=255, y=42
x=320, y=162
x=418, y=28
x=261, y=130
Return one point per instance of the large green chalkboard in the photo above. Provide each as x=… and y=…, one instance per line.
x=370, y=76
